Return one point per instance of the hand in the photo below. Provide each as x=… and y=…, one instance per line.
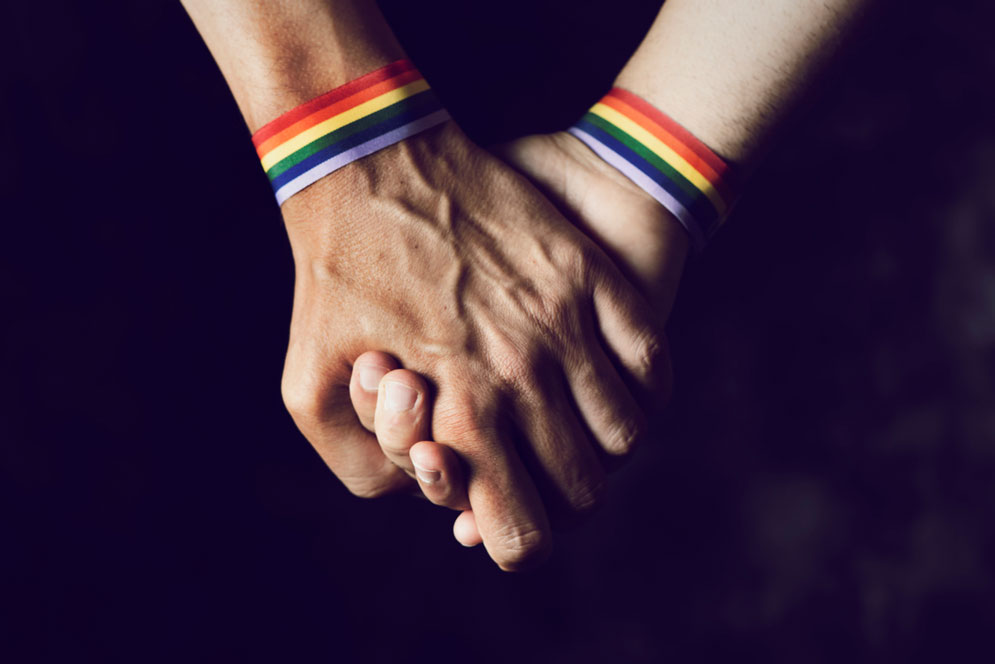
x=645, y=240
x=439, y=254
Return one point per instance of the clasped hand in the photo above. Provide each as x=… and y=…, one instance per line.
x=526, y=306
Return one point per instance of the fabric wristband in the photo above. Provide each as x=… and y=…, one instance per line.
x=354, y=120
x=662, y=158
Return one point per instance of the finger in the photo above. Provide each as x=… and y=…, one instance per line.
x=634, y=339
x=439, y=475
x=401, y=418
x=605, y=405
x=465, y=529
x=561, y=455
x=324, y=415
x=435, y=466
x=509, y=514
x=364, y=383
x=507, y=510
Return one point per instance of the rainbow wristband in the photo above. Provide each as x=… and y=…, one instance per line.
x=662, y=158
x=354, y=120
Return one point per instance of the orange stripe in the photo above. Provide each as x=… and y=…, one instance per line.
x=330, y=97
x=334, y=109
x=652, y=127
x=680, y=147
x=676, y=130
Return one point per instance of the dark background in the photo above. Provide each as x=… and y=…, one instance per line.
x=823, y=491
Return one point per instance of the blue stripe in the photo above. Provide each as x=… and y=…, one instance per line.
x=700, y=207
x=399, y=120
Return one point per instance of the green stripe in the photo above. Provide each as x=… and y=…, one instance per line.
x=654, y=159
x=422, y=99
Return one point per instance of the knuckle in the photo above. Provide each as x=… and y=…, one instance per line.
x=588, y=496
x=624, y=436
x=555, y=309
x=301, y=398
x=522, y=548
x=567, y=255
x=579, y=258
x=650, y=354
x=560, y=315
x=577, y=263
x=367, y=487
x=589, y=265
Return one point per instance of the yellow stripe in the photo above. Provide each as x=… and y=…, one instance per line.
x=294, y=144
x=663, y=151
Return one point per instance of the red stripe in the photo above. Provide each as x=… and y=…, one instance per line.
x=339, y=93
x=337, y=108
x=703, y=167
x=677, y=131
x=671, y=141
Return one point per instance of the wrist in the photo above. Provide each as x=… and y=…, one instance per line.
x=379, y=180
x=274, y=86
x=643, y=209
x=279, y=54
x=345, y=124
x=294, y=73
x=653, y=241
x=663, y=158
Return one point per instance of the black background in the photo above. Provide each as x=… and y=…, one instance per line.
x=824, y=488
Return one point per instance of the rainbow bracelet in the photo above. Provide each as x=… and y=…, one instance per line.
x=662, y=158
x=352, y=121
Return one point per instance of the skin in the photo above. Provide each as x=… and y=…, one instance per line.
x=600, y=201
x=731, y=72
x=527, y=334
x=534, y=347
x=728, y=72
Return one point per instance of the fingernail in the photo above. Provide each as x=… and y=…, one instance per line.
x=369, y=378
x=400, y=397
x=425, y=475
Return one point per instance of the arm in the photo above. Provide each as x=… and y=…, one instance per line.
x=278, y=54
x=729, y=72
x=436, y=252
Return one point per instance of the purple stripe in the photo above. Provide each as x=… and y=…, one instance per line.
x=369, y=147
x=645, y=183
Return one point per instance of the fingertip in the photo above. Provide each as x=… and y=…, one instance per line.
x=367, y=371
x=529, y=550
x=439, y=474
x=432, y=455
x=370, y=367
x=403, y=391
x=465, y=530
x=402, y=415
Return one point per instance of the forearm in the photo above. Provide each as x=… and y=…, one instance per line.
x=277, y=54
x=729, y=71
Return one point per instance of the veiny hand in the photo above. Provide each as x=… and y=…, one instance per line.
x=645, y=240
x=442, y=256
